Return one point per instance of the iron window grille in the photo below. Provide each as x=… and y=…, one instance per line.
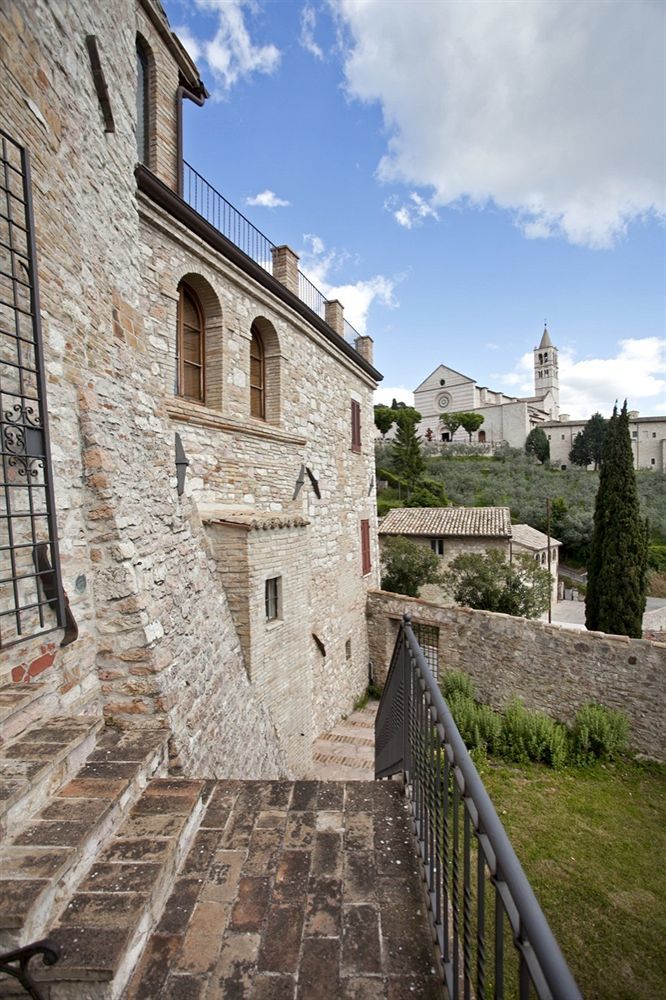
x=427, y=637
x=31, y=595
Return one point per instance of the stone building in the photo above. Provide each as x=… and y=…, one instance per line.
x=211, y=434
x=449, y=532
x=507, y=419
x=648, y=440
x=452, y=531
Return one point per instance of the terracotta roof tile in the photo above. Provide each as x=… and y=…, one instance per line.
x=482, y=522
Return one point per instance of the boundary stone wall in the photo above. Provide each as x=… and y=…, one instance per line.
x=552, y=669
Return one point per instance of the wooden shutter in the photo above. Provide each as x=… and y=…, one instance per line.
x=190, y=346
x=365, y=547
x=257, y=394
x=355, y=425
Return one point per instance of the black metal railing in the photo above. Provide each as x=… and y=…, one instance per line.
x=27, y=503
x=16, y=964
x=493, y=937
x=214, y=207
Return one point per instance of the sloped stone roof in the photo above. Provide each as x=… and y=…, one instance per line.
x=524, y=534
x=252, y=520
x=461, y=522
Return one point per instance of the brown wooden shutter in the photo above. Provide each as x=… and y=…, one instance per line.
x=365, y=547
x=355, y=425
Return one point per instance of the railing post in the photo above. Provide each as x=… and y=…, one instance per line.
x=407, y=705
x=285, y=267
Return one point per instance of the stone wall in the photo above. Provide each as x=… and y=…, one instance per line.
x=553, y=669
x=158, y=642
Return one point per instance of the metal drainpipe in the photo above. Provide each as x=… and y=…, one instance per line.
x=197, y=99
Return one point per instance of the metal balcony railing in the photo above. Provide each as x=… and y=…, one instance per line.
x=493, y=937
x=214, y=207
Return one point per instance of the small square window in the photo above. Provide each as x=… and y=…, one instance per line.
x=563, y=437
x=654, y=434
x=549, y=437
x=437, y=546
x=634, y=434
x=652, y=461
x=273, y=597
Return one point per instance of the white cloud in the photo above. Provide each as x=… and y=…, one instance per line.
x=319, y=265
x=552, y=109
x=635, y=372
x=385, y=395
x=267, y=199
x=230, y=53
x=308, y=25
x=412, y=212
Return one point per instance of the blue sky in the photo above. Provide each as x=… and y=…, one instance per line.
x=454, y=173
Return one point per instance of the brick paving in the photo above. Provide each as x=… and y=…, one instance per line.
x=302, y=890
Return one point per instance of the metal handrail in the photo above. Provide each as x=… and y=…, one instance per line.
x=415, y=734
x=214, y=207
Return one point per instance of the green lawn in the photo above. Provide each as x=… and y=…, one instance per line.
x=593, y=844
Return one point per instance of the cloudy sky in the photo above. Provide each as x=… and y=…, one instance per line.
x=455, y=171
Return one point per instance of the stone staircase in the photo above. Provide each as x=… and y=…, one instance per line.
x=155, y=886
x=347, y=753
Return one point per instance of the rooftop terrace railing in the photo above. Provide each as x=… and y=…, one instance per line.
x=214, y=207
x=493, y=937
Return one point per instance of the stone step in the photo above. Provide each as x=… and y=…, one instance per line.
x=352, y=738
x=41, y=865
x=21, y=705
x=103, y=929
x=344, y=760
x=35, y=764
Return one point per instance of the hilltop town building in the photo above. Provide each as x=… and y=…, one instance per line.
x=509, y=419
x=211, y=434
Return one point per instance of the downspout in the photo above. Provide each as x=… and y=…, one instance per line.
x=197, y=99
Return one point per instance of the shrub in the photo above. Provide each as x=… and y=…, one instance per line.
x=456, y=682
x=599, y=733
x=479, y=726
x=533, y=736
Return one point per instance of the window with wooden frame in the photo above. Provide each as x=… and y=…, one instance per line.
x=191, y=346
x=355, y=425
x=366, y=563
x=273, y=598
x=257, y=376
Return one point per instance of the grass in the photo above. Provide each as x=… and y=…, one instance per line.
x=592, y=843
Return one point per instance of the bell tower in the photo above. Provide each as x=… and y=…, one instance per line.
x=546, y=374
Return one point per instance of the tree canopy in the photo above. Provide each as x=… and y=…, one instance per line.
x=486, y=581
x=469, y=421
x=588, y=445
x=407, y=566
x=617, y=567
x=537, y=444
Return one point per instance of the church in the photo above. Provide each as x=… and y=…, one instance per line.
x=507, y=419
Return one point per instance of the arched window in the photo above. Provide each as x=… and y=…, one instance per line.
x=191, y=345
x=482, y=437
x=257, y=376
x=143, y=81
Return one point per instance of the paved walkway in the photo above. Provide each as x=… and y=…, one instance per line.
x=571, y=614
x=305, y=890
x=347, y=753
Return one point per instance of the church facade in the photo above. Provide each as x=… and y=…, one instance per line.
x=507, y=419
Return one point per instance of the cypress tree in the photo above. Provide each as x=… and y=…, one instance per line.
x=616, y=583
